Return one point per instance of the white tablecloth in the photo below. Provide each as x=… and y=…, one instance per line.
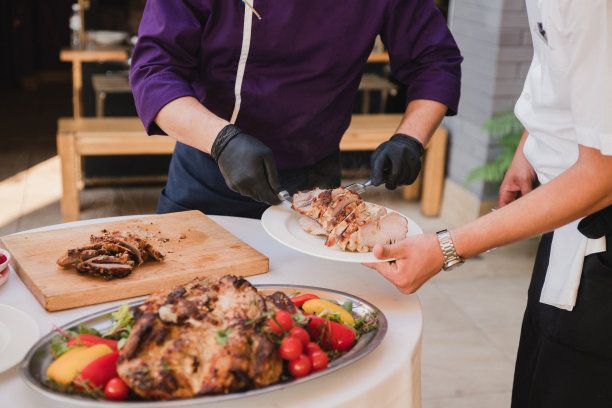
x=389, y=376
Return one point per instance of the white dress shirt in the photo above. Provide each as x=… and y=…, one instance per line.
x=567, y=101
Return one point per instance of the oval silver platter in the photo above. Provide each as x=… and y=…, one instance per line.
x=35, y=363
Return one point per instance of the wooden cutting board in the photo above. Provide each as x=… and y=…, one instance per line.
x=194, y=246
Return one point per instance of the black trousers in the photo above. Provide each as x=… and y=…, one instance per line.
x=565, y=358
x=196, y=183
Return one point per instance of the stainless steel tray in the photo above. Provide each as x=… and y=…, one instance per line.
x=35, y=363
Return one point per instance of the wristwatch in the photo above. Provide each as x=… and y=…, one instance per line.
x=451, y=259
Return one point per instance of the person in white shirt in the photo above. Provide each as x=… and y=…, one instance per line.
x=565, y=352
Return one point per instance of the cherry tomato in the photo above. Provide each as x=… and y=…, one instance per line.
x=300, y=334
x=311, y=347
x=300, y=366
x=283, y=318
x=290, y=348
x=116, y=389
x=319, y=360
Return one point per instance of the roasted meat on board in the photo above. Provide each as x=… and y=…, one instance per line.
x=110, y=255
x=347, y=221
x=205, y=337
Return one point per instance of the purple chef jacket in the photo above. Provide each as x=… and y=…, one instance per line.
x=303, y=68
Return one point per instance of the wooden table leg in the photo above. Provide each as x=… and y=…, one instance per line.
x=100, y=101
x=66, y=150
x=433, y=173
x=77, y=85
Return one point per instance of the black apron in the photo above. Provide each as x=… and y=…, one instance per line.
x=565, y=358
x=196, y=183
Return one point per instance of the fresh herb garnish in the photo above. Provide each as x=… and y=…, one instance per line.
x=298, y=318
x=222, y=335
x=123, y=320
x=366, y=323
x=59, y=342
x=258, y=318
x=86, y=391
x=348, y=306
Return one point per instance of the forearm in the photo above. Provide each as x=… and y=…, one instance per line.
x=579, y=191
x=188, y=121
x=421, y=119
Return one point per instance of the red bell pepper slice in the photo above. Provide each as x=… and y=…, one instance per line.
x=89, y=340
x=97, y=373
x=299, y=300
x=333, y=335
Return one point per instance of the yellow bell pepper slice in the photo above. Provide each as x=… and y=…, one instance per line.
x=319, y=306
x=68, y=365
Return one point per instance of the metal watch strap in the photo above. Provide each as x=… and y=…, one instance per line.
x=451, y=258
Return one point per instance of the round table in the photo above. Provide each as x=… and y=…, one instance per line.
x=389, y=376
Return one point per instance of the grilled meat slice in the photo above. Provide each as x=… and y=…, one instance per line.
x=299, y=199
x=73, y=257
x=343, y=203
x=110, y=255
x=205, y=337
x=311, y=226
x=388, y=229
x=348, y=221
x=107, y=267
x=133, y=245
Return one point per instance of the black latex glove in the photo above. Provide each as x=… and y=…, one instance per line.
x=247, y=165
x=397, y=161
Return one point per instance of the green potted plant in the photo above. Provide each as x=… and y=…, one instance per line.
x=505, y=127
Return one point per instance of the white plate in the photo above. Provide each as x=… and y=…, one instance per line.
x=18, y=332
x=104, y=37
x=283, y=225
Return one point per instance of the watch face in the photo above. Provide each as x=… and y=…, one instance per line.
x=453, y=264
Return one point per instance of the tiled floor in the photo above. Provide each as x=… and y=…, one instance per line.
x=472, y=315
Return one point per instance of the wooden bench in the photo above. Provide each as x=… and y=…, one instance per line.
x=105, y=84
x=366, y=132
x=126, y=136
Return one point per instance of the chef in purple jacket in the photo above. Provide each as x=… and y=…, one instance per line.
x=259, y=93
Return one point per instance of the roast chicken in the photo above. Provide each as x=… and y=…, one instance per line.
x=205, y=337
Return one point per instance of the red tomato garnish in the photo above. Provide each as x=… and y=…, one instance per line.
x=333, y=335
x=301, y=299
x=319, y=360
x=97, y=373
x=300, y=334
x=2, y=258
x=89, y=340
x=290, y=348
x=300, y=366
x=116, y=389
x=283, y=318
x=311, y=347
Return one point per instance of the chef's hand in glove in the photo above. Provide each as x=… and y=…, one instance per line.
x=246, y=164
x=397, y=161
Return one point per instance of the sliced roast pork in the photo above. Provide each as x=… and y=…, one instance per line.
x=311, y=226
x=388, y=229
x=347, y=220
